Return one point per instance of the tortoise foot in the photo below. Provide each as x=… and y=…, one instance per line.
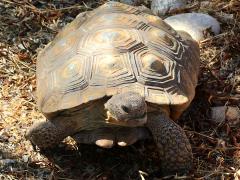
x=45, y=134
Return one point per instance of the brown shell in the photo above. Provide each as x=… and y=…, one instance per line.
x=113, y=49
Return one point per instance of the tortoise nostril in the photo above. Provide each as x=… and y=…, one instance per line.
x=125, y=109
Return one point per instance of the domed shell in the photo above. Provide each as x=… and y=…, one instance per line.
x=113, y=49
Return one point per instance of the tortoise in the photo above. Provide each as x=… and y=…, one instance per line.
x=115, y=75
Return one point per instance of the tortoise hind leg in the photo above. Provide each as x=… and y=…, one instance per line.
x=174, y=148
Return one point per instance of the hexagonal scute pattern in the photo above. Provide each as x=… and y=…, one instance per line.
x=113, y=49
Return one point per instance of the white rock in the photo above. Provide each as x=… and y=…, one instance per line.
x=194, y=23
x=25, y=158
x=161, y=7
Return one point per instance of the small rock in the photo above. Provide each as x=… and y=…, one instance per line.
x=25, y=158
x=230, y=114
x=218, y=114
x=21, y=46
x=195, y=24
x=233, y=115
x=162, y=7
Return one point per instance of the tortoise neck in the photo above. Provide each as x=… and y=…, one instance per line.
x=155, y=108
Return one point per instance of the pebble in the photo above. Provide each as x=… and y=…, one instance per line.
x=195, y=24
x=218, y=114
x=162, y=7
x=230, y=114
x=25, y=158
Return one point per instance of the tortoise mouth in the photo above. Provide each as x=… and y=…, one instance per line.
x=129, y=122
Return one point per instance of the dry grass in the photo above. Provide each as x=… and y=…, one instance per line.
x=29, y=24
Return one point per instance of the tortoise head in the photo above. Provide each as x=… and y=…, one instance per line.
x=126, y=109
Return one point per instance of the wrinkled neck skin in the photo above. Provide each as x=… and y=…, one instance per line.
x=91, y=115
x=158, y=108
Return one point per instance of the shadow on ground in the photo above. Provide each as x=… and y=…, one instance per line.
x=92, y=162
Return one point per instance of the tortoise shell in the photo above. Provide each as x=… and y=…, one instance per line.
x=112, y=49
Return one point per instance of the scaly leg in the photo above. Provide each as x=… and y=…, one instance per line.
x=174, y=148
x=48, y=134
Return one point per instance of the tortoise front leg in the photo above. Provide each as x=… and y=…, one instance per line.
x=48, y=134
x=174, y=148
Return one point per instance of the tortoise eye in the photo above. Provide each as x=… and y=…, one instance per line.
x=125, y=109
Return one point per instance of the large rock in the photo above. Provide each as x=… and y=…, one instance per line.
x=162, y=7
x=196, y=24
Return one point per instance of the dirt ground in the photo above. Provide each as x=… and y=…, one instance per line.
x=27, y=25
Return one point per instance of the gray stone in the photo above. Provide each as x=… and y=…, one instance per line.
x=195, y=24
x=230, y=114
x=161, y=7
